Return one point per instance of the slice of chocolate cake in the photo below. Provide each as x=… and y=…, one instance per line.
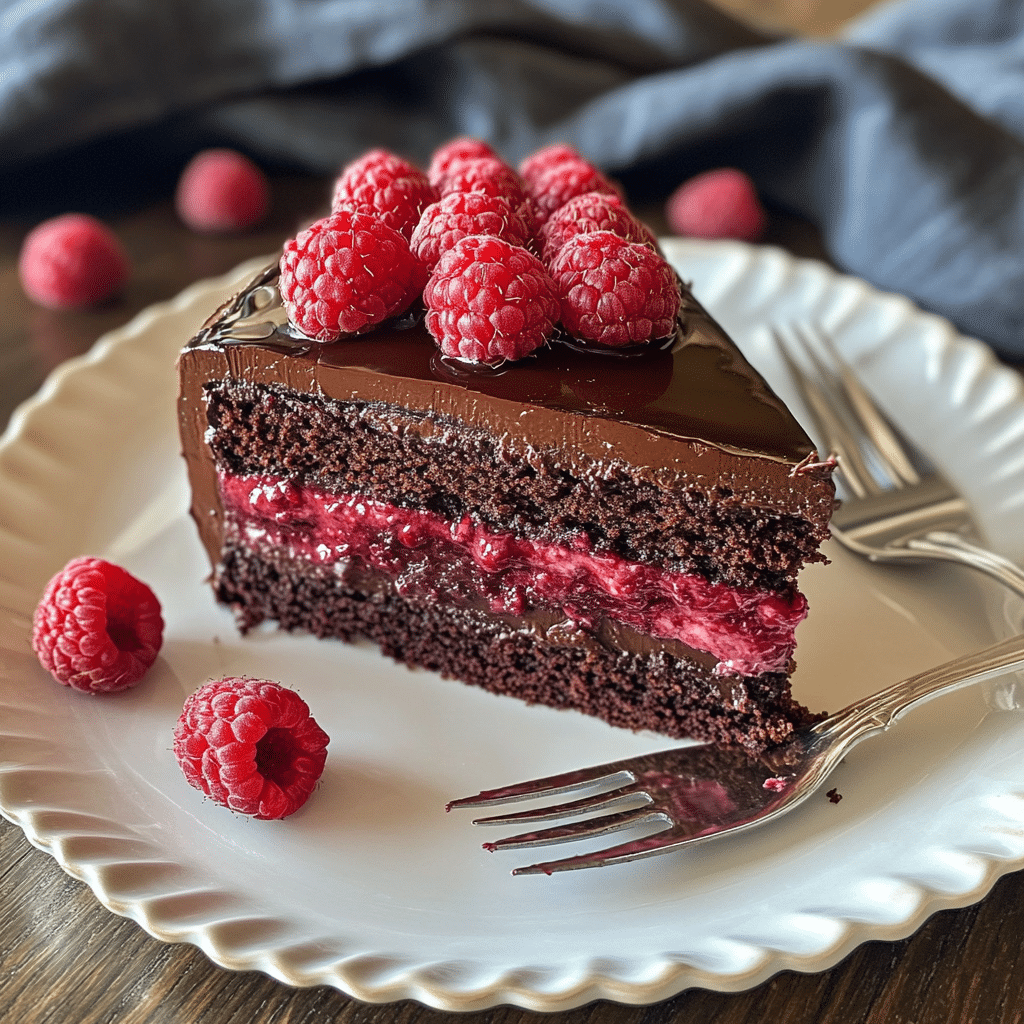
x=614, y=533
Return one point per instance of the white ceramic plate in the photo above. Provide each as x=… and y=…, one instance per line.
x=371, y=887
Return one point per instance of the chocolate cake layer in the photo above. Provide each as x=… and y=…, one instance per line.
x=653, y=690
x=391, y=455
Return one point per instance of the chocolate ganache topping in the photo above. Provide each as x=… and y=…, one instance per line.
x=697, y=386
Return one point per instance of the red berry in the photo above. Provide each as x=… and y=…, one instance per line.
x=453, y=152
x=592, y=211
x=494, y=178
x=554, y=187
x=97, y=628
x=717, y=204
x=72, y=260
x=489, y=301
x=385, y=186
x=251, y=745
x=345, y=273
x=222, y=191
x=486, y=174
x=614, y=292
x=544, y=159
x=466, y=213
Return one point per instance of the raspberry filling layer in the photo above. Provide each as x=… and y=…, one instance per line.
x=463, y=563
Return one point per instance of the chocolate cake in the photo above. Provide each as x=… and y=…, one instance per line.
x=615, y=533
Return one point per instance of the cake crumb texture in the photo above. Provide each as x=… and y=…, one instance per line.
x=653, y=692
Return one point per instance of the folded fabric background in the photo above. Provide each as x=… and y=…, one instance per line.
x=903, y=141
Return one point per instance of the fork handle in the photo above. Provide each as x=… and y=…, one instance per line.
x=956, y=548
x=878, y=711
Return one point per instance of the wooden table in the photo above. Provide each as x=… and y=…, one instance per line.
x=64, y=958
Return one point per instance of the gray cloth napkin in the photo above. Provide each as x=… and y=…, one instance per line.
x=903, y=142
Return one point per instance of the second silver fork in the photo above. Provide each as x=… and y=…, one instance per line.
x=896, y=512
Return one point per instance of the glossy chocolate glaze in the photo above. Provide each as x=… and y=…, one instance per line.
x=695, y=385
x=692, y=413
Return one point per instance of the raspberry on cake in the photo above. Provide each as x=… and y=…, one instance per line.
x=540, y=162
x=347, y=272
x=592, y=211
x=453, y=152
x=489, y=301
x=250, y=745
x=612, y=530
x=458, y=214
x=97, y=628
x=554, y=187
x=613, y=291
x=486, y=174
x=386, y=187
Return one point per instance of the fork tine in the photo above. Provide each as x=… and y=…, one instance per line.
x=550, y=785
x=856, y=434
x=863, y=405
x=836, y=435
x=586, y=829
x=564, y=810
x=634, y=849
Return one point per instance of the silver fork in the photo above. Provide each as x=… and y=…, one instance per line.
x=695, y=794
x=896, y=512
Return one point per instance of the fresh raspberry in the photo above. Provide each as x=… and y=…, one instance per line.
x=466, y=213
x=97, y=628
x=453, y=152
x=251, y=745
x=345, y=273
x=543, y=160
x=487, y=174
x=493, y=177
x=221, y=191
x=72, y=261
x=614, y=292
x=717, y=204
x=489, y=301
x=592, y=211
x=386, y=186
x=558, y=184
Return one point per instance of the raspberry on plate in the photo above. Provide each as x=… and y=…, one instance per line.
x=554, y=187
x=72, y=261
x=614, y=292
x=592, y=211
x=460, y=214
x=489, y=301
x=345, y=273
x=451, y=153
x=386, y=186
x=97, y=628
x=717, y=204
x=250, y=745
x=220, y=190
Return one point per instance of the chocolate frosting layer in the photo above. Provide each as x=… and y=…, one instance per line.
x=693, y=413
